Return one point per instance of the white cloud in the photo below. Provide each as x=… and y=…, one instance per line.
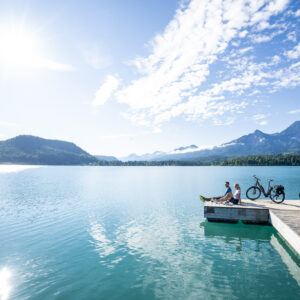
x=288, y=77
x=223, y=121
x=35, y=63
x=258, y=116
x=263, y=123
x=106, y=90
x=294, y=53
x=297, y=13
x=117, y=136
x=263, y=25
x=52, y=65
x=272, y=8
x=172, y=76
x=244, y=50
x=262, y=38
x=276, y=59
x=295, y=111
x=260, y=119
x=182, y=54
x=292, y=36
x=243, y=33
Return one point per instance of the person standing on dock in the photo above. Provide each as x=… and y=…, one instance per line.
x=227, y=196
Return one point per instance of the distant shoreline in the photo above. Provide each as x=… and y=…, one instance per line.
x=259, y=160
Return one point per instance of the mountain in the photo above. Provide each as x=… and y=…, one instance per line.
x=256, y=143
x=27, y=149
x=158, y=154
x=106, y=158
x=186, y=149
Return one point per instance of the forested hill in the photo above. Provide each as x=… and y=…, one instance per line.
x=27, y=149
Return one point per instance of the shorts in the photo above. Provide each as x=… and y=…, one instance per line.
x=234, y=201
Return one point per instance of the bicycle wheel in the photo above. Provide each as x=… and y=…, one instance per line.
x=253, y=192
x=277, y=198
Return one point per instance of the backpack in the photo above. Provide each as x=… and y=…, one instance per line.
x=279, y=189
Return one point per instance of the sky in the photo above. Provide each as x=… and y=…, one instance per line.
x=119, y=77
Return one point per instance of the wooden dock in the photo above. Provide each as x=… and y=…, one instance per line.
x=285, y=217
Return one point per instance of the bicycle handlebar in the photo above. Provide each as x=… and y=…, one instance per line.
x=269, y=179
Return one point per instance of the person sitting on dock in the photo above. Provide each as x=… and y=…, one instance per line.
x=237, y=195
x=227, y=196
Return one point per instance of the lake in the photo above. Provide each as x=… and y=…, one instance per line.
x=137, y=233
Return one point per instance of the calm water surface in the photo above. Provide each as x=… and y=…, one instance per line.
x=137, y=233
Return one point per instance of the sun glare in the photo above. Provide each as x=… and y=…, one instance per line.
x=19, y=47
x=5, y=287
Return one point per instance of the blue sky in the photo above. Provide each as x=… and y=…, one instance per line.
x=117, y=77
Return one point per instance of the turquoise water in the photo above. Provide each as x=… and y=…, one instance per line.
x=137, y=233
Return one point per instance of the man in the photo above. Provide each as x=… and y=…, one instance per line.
x=227, y=196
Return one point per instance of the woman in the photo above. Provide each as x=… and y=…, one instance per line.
x=236, y=199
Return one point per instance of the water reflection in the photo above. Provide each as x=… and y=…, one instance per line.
x=5, y=286
x=130, y=233
x=237, y=233
x=171, y=259
x=233, y=231
x=103, y=246
x=286, y=257
x=15, y=168
x=176, y=261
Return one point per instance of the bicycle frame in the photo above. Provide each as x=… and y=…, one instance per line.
x=270, y=188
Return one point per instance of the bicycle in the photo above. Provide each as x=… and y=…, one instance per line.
x=276, y=193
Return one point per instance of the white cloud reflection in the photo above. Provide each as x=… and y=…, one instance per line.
x=161, y=241
x=103, y=245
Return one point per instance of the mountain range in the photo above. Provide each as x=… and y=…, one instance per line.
x=27, y=149
x=256, y=143
x=159, y=154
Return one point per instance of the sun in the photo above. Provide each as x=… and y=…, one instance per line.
x=20, y=47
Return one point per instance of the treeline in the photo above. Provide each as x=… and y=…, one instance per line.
x=259, y=160
x=267, y=160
